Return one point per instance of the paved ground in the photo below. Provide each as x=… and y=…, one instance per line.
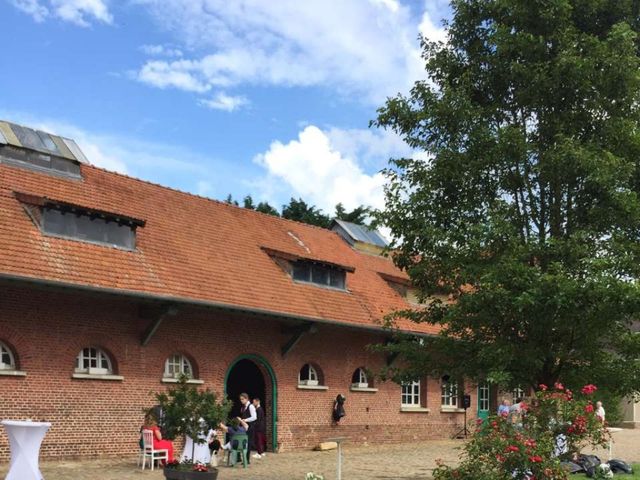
x=398, y=462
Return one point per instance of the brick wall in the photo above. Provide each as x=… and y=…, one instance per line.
x=47, y=329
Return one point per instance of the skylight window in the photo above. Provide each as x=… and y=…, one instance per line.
x=36, y=150
x=319, y=274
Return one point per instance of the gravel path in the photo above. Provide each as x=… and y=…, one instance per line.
x=397, y=462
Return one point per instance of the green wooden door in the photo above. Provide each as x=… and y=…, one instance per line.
x=484, y=394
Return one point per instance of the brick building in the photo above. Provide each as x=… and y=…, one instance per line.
x=111, y=286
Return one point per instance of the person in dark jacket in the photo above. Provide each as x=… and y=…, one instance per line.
x=260, y=430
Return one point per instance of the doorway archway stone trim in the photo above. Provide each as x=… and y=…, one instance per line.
x=261, y=361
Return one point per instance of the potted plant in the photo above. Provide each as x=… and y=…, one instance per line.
x=188, y=411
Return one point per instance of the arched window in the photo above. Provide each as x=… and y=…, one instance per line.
x=308, y=375
x=93, y=361
x=359, y=378
x=7, y=360
x=177, y=365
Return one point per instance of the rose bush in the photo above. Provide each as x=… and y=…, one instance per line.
x=531, y=445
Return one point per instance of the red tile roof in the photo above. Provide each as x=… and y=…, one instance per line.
x=191, y=248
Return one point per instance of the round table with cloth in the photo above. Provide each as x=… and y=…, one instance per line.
x=201, y=453
x=24, y=441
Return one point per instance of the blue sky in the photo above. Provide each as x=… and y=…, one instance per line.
x=271, y=98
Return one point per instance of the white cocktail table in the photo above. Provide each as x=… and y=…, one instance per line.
x=24, y=440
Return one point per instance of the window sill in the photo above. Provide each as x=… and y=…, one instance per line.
x=12, y=373
x=313, y=387
x=89, y=376
x=451, y=410
x=363, y=389
x=415, y=410
x=191, y=381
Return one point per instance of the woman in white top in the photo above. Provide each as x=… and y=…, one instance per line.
x=600, y=411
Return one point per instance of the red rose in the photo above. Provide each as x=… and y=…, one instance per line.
x=542, y=387
x=588, y=408
x=558, y=386
x=589, y=389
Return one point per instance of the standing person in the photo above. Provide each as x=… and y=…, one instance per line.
x=260, y=430
x=248, y=415
x=600, y=413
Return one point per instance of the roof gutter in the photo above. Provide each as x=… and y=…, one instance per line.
x=189, y=301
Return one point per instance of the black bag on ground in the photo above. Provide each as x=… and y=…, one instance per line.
x=619, y=466
x=589, y=464
x=571, y=467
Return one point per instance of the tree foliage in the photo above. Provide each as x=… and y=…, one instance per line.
x=527, y=213
x=301, y=211
x=189, y=411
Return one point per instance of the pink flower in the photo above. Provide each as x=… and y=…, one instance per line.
x=558, y=386
x=535, y=459
x=543, y=387
x=589, y=389
x=588, y=408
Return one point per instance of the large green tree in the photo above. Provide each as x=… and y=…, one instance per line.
x=527, y=211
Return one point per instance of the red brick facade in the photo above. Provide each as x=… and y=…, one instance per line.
x=47, y=328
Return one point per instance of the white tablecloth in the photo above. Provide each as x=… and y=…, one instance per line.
x=201, y=453
x=25, y=439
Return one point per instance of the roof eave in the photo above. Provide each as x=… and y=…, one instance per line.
x=8, y=277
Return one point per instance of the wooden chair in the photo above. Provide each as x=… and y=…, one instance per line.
x=151, y=453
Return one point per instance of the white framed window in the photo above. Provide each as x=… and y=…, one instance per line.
x=7, y=360
x=410, y=394
x=517, y=392
x=177, y=365
x=449, y=394
x=93, y=361
x=308, y=375
x=359, y=378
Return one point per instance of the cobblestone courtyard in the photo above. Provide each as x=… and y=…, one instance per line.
x=401, y=462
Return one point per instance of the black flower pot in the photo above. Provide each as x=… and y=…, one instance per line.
x=173, y=474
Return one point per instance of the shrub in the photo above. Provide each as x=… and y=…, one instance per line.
x=551, y=429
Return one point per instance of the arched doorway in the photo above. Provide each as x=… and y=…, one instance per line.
x=253, y=374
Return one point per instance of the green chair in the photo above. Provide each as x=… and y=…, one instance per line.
x=239, y=446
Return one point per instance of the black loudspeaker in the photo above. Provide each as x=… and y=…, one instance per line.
x=466, y=401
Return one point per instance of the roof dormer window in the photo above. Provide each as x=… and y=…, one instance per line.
x=319, y=274
x=76, y=223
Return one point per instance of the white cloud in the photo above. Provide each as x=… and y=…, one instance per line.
x=176, y=74
x=32, y=7
x=160, y=51
x=222, y=101
x=367, y=49
x=78, y=12
x=312, y=168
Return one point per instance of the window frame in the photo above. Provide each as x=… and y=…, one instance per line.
x=101, y=357
x=517, y=392
x=312, y=372
x=362, y=378
x=411, y=395
x=336, y=277
x=5, y=350
x=183, y=360
x=45, y=231
x=450, y=395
